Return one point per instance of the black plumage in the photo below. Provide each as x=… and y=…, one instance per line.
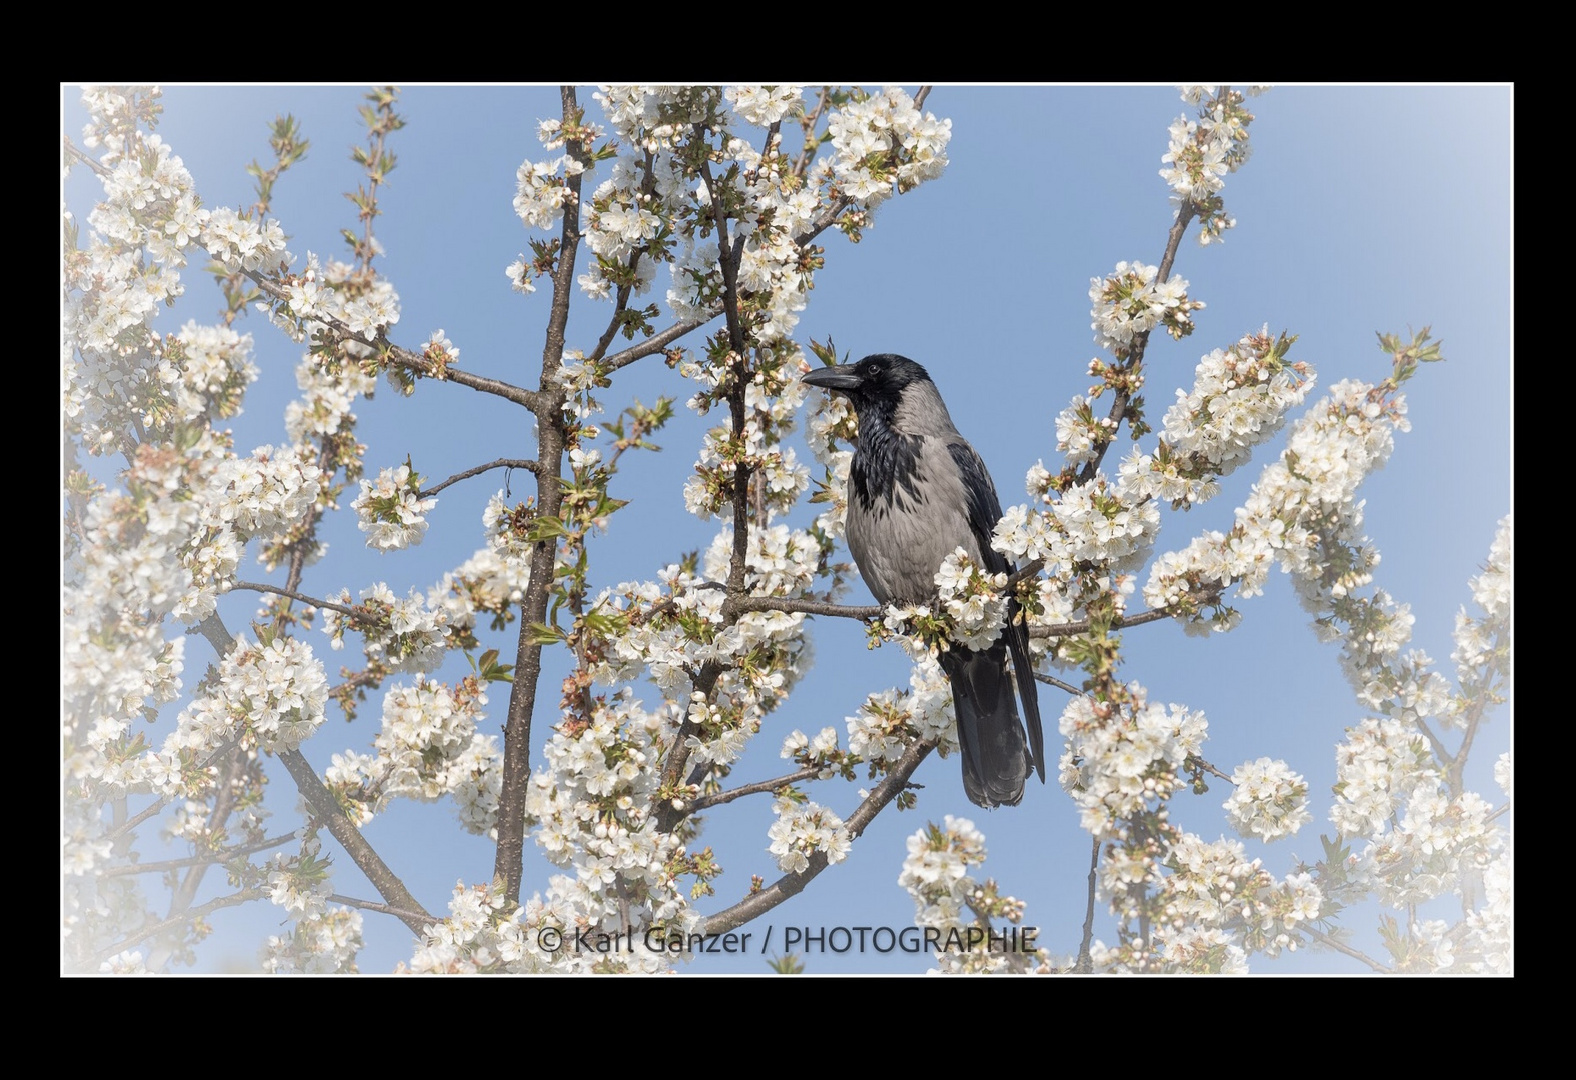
x=917, y=490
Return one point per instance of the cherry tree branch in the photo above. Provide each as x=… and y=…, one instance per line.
x=325, y=605
x=790, y=885
x=547, y=405
x=1341, y=947
x=707, y=801
x=404, y=916
x=502, y=463
x=214, y=858
x=404, y=357
x=153, y=930
x=1085, y=962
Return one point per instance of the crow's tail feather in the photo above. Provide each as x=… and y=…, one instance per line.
x=996, y=757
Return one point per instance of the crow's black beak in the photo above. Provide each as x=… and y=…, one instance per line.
x=839, y=377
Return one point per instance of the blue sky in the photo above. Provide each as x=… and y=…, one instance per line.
x=1363, y=209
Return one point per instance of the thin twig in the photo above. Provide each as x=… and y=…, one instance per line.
x=1341, y=947
x=327, y=605
x=404, y=357
x=502, y=463
x=1049, y=680
x=705, y=802
x=242, y=897
x=159, y=804
x=215, y=858
x=406, y=917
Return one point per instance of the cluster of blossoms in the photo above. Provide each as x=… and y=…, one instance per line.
x=708, y=492
x=884, y=145
x=323, y=943
x=509, y=533
x=1218, y=907
x=336, y=297
x=202, y=373
x=1098, y=523
x=948, y=900
x=1079, y=433
x=803, y=829
x=1269, y=801
x=300, y=883
x=1307, y=500
x=391, y=510
x=1302, y=513
x=764, y=106
x=1092, y=522
x=830, y=418
x=633, y=215
x=540, y=192
x=408, y=635
x=1482, y=644
x=821, y=752
x=239, y=243
x=1203, y=151
x=1122, y=760
x=270, y=695
x=1240, y=397
x=591, y=811
x=486, y=583
x=133, y=564
x=774, y=271
x=889, y=722
x=484, y=932
x=1214, y=907
x=117, y=371
x=972, y=599
x=428, y=748
x=1491, y=927
x=1389, y=786
x=1129, y=302
x=268, y=492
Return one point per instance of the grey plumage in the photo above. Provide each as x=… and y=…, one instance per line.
x=916, y=491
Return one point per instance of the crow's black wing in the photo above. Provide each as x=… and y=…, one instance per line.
x=984, y=508
x=984, y=513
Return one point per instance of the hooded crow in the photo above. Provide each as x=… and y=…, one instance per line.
x=916, y=491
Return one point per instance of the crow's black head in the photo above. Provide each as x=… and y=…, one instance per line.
x=877, y=380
